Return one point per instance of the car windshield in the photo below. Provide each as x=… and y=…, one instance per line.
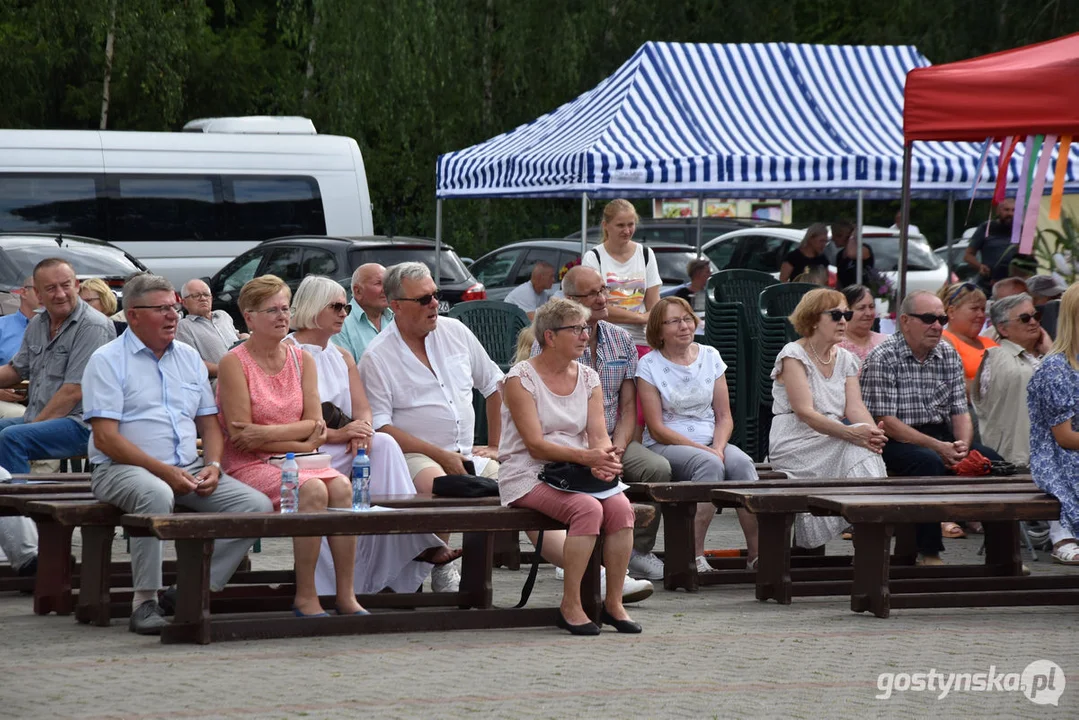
x=16, y=263
x=672, y=265
x=886, y=254
x=452, y=269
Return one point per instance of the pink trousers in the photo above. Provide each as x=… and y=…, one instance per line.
x=583, y=514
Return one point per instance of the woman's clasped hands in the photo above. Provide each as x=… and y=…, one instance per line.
x=606, y=463
x=868, y=436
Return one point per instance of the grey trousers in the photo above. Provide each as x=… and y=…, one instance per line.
x=641, y=465
x=18, y=540
x=690, y=464
x=136, y=490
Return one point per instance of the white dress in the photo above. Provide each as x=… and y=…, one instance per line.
x=802, y=452
x=382, y=561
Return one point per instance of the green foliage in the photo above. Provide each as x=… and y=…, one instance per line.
x=410, y=79
x=1059, y=249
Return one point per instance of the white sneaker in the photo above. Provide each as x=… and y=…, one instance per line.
x=632, y=590
x=446, y=578
x=559, y=574
x=646, y=567
x=703, y=566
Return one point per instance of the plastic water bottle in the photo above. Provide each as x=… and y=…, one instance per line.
x=361, y=481
x=290, y=484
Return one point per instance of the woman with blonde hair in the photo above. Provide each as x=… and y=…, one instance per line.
x=815, y=386
x=808, y=256
x=95, y=293
x=1053, y=402
x=965, y=304
x=267, y=392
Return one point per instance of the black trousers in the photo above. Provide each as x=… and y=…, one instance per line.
x=907, y=460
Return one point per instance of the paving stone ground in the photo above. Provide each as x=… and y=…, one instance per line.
x=716, y=654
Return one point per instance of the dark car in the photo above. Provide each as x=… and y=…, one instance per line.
x=294, y=258
x=20, y=252
x=507, y=267
x=682, y=231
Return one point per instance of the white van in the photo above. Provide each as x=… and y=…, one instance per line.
x=185, y=203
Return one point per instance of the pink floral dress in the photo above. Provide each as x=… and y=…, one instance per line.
x=275, y=400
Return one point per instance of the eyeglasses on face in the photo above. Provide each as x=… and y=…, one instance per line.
x=577, y=329
x=930, y=318
x=424, y=299
x=199, y=296
x=274, y=311
x=838, y=315
x=161, y=309
x=684, y=320
x=339, y=307
x=605, y=291
x=1027, y=317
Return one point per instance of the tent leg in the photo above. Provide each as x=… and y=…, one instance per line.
x=438, y=241
x=904, y=228
x=700, y=222
x=951, y=231
x=584, y=224
x=858, y=235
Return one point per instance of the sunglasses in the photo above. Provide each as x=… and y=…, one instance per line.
x=965, y=287
x=930, y=318
x=424, y=299
x=838, y=315
x=340, y=307
x=1027, y=317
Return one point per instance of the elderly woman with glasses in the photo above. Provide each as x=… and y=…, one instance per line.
x=687, y=412
x=267, y=391
x=553, y=412
x=964, y=304
x=398, y=562
x=815, y=386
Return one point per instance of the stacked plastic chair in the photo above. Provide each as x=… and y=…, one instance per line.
x=496, y=325
x=732, y=326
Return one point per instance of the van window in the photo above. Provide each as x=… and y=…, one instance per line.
x=51, y=203
x=164, y=208
x=268, y=207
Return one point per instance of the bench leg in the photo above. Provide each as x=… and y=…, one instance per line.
x=52, y=586
x=95, y=576
x=872, y=558
x=1002, y=547
x=476, y=564
x=508, y=550
x=679, y=560
x=591, y=600
x=192, y=621
x=774, y=559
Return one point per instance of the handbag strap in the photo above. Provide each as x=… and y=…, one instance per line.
x=526, y=591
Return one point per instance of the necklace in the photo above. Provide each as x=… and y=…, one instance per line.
x=815, y=355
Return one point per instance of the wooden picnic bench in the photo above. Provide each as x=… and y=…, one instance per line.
x=874, y=515
x=194, y=535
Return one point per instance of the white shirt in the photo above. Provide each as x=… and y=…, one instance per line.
x=434, y=406
x=685, y=392
x=525, y=297
x=627, y=281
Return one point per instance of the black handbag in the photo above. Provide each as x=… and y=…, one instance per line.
x=464, y=486
x=333, y=416
x=573, y=477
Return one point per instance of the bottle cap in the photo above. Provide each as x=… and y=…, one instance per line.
x=361, y=452
x=290, y=456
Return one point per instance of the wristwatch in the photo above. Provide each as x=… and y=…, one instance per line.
x=217, y=465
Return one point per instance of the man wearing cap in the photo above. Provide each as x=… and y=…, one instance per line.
x=1044, y=290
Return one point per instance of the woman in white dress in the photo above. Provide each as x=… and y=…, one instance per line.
x=814, y=387
x=398, y=562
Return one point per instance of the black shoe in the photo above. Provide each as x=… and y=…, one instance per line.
x=588, y=628
x=147, y=619
x=166, y=600
x=29, y=568
x=622, y=626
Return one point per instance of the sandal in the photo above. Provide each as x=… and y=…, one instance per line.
x=974, y=528
x=440, y=555
x=951, y=530
x=1067, y=553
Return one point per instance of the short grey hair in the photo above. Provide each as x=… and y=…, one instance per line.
x=907, y=306
x=313, y=295
x=396, y=274
x=555, y=313
x=138, y=286
x=569, y=280
x=1001, y=309
x=184, y=291
x=1001, y=286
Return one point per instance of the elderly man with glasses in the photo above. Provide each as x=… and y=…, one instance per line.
x=914, y=384
x=210, y=332
x=419, y=373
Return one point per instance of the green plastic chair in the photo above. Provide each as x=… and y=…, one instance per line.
x=742, y=286
x=495, y=324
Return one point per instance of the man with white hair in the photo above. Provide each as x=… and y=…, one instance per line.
x=209, y=331
x=419, y=374
x=370, y=311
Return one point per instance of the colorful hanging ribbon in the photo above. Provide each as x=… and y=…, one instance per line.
x=1058, y=179
x=978, y=173
x=1021, y=193
x=1006, y=149
x=1034, y=197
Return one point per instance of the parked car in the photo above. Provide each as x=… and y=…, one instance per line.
x=507, y=267
x=680, y=230
x=764, y=249
x=961, y=268
x=20, y=252
x=294, y=258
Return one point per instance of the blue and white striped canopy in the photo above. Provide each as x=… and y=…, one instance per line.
x=729, y=120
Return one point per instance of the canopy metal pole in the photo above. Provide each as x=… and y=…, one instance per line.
x=904, y=228
x=951, y=231
x=858, y=235
x=700, y=222
x=584, y=224
x=438, y=241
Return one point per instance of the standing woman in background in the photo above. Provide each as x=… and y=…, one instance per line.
x=629, y=271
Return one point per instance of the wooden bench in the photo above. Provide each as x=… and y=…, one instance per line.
x=874, y=515
x=12, y=502
x=194, y=535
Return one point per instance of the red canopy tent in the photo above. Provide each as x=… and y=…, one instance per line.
x=1026, y=91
